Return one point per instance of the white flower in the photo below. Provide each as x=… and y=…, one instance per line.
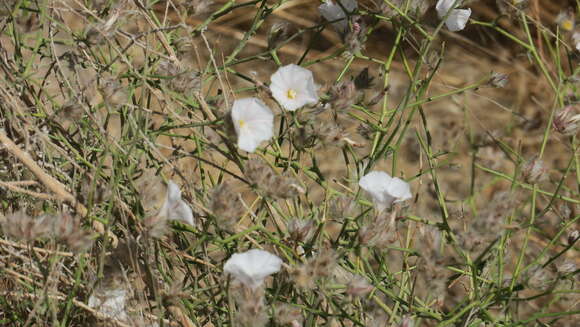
x=457, y=18
x=174, y=207
x=293, y=87
x=110, y=302
x=252, y=267
x=331, y=12
x=384, y=189
x=253, y=121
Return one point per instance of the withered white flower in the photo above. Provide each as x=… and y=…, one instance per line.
x=252, y=267
x=576, y=39
x=293, y=87
x=457, y=18
x=174, y=207
x=384, y=189
x=253, y=121
x=110, y=302
x=333, y=11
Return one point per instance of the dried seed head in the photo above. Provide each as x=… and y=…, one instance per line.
x=251, y=306
x=71, y=112
x=511, y=7
x=380, y=232
x=539, y=278
x=498, y=80
x=534, y=171
x=152, y=192
x=356, y=37
x=567, y=121
x=156, y=226
x=267, y=181
x=359, y=286
x=197, y=7
x=567, y=267
x=300, y=230
x=113, y=92
x=179, y=79
x=97, y=34
x=316, y=268
x=226, y=206
x=342, y=207
x=343, y=95
x=278, y=33
x=288, y=315
x=413, y=8
x=21, y=226
x=573, y=236
x=67, y=228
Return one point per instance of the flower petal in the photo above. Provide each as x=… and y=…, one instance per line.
x=252, y=267
x=253, y=122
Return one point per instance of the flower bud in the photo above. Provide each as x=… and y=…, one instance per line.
x=498, y=80
x=278, y=33
x=573, y=236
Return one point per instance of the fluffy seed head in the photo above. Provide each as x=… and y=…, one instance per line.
x=226, y=206
x=567, y=121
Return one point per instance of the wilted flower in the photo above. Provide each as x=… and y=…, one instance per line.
x=384, y=189
x=174, y=207
x=566, y=121
x=293, y=87
x=457, y=18
x=252, y=267
x=576, y=39
x=110, y=302
x=565, y=20
x=253, y=122
x=333, y=11
x=498, y=80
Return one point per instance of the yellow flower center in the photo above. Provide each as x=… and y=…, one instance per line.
x=241, y=122
x=567, y=25
x=291, y=94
